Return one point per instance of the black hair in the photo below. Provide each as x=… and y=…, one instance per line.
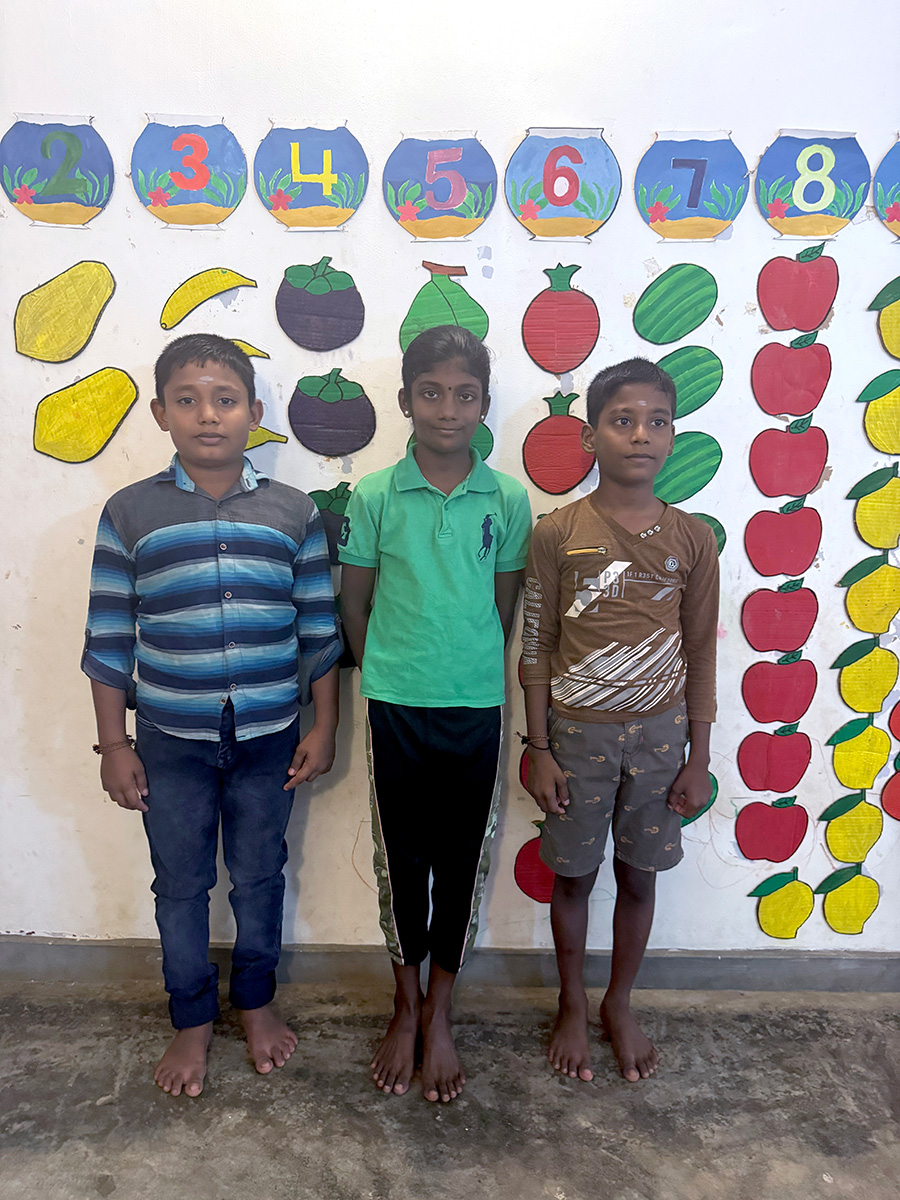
x=634, y=370
x=441, y=344
x=200, y=348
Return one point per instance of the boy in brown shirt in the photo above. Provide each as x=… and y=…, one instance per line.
x=621, y=611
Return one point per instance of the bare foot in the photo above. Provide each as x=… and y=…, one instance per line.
x=635, y=1053
x=183, y=1066
x=270, y=1041
x=395, y=1058
x=569, y=1050
x=442, y=1076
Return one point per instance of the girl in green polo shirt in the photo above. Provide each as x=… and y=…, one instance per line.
x=445, y=538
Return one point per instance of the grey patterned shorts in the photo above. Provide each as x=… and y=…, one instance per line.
x=619, y=774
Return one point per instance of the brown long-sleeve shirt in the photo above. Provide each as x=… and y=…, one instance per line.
x=622, y=624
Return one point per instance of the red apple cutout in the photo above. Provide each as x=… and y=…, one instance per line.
x=797, y=293
x=779, y=691
x=890, y=796
x=894, y=721
x=781, y=620
x=771, y=831
x=790, y=379
x=788, y=462
x=533, y=875
x=774, y=762
x=783, y=543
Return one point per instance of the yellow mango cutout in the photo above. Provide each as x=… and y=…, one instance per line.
x=865, y=683
x=850, y=837
x=55, y=322
x=889, y=328
x=848, y=907
x=882, y=422
x=781, y=913
x=857, y=761
x=873, y=602
x=75, y=424
x=878, y=514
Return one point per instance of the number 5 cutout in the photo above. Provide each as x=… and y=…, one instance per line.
x=439, y=188
x=690, y=187
x=812, y=184
x=188, y=174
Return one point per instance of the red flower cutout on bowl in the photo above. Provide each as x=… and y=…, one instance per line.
x=26, y=195
x=892, y=212
x=657, y=212
x=408, y=211
x=158, y=196
x=777, y=208
x=280, y=200
x=529, y=210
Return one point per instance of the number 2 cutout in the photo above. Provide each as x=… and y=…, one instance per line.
x=197, y=151
x=60, y=182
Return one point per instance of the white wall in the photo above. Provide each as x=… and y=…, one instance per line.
x=72, y=865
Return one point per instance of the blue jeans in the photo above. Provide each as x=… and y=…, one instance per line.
x=192, y=784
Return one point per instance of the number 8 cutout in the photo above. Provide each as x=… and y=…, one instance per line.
x=691, y=186
x=439, y=188
x=188, y=174
x=562, y=182
x=56, y=173
x=812, y=184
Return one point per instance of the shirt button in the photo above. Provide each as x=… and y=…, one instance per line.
x=232, y=687
x=228, y=595
x=223, y=546
x=231, y=645
x=224, y=700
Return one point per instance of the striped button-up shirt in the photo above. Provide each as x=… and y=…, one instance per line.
x=212, y=600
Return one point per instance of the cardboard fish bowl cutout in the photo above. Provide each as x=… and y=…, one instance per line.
x=439, y=187
x=811, y=184
x=887, y=189
x=56, y=172
x=311, y=178
x=187, y=173
x=691, y=186
x=562, y=183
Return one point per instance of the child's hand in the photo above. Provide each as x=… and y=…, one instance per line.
x=547, y=782
x=313, y=757
x=690, y=791
x=122, y=775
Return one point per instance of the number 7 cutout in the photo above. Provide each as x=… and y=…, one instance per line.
x=188, y=174
x=439, y=187
x=56, y=173
x=311, y=178
x=691, y=186
x=811, y=184
x=562, y=183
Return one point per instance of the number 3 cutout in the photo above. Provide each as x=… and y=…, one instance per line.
x=197, y=152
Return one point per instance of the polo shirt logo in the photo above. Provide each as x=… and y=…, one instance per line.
x=344, y=535
x=487, y=538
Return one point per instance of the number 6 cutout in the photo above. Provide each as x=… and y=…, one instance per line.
x=690, y=186
x=311, y=178
x=441, y=187
x=811, y=184
x=562, y=183
x=59, y=174
x=188, y=174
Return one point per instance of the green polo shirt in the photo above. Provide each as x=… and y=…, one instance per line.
x=434, y=638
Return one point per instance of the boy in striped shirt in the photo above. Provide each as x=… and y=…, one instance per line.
x=214, y=581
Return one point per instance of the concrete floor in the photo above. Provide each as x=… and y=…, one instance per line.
x=761, y=1096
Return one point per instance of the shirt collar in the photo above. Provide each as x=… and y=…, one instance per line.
x=408, y=477
x=175, y=472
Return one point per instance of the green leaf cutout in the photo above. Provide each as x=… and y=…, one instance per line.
x=774, y=883
x=793, y=506
x=880, y=386
x=800, y=426
x=784, y=802
x=849, y=731
x=792, y=657
x=873, y=482
x=861, y=570
x=854, y=653
x=888, y=295
x=810, y=253
x=806, y=339
x=838, y=879
x=791, y=585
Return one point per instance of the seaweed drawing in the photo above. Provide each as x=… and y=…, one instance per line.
x=726, y=209
x=346, y=194
x=883, y=199
x=593, y=203
x=656, y=196
x=528, y=194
